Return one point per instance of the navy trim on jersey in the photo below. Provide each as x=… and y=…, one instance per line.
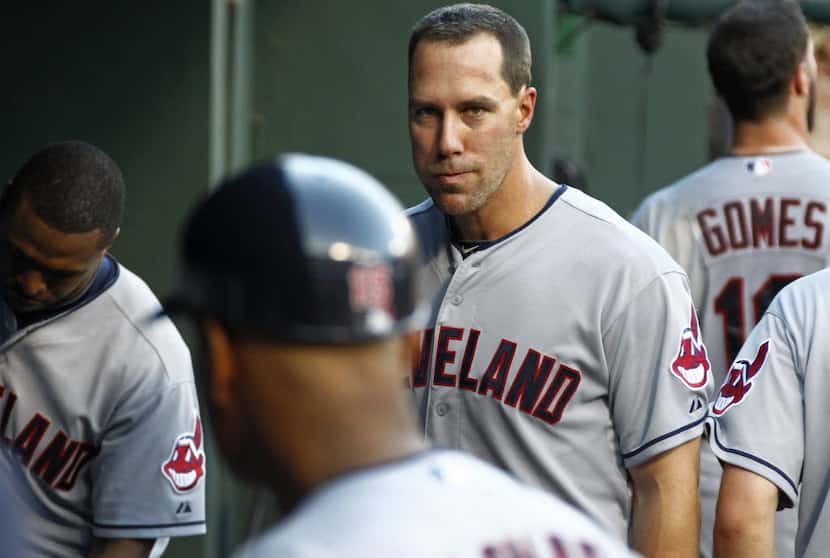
x=758, y=460
x=105, y=276
x=148, y=526
x=663, y=437
x=484, y=244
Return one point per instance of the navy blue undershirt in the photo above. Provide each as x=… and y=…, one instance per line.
x=104, y=278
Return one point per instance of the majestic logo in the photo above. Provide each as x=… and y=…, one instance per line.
x=186, y=465
x=738, y=381
x=692, y=365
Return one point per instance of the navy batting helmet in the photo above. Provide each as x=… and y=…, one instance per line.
x=304, y=249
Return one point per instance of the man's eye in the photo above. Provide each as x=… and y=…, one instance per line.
x=475, y=111
x=424, y=112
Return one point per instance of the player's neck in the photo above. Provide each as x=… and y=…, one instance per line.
x=769, y=136
x=522, y=195
x=357, y=418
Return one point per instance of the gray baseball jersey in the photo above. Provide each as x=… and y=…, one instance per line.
x=742, y=227
x=565, y=352
x=100, y=408
x=770, y=415
x=440, y=504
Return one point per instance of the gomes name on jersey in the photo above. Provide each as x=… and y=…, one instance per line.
x=739, y=224
x=59, y=462
x=526, y=391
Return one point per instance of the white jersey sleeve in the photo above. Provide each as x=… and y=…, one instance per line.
x=758, y=412
x=659, y=371
x=148, y=478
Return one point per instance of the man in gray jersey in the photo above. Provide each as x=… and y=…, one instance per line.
x=749, y=223
x=308, y=337
x=99, y=408
x=563, y=344
x=770, y=427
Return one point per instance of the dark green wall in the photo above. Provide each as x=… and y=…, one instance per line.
x=330, y=78
x=130, y=77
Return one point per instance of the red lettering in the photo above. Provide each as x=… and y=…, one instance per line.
x=813, y=223
x=495, y=376
x=419, y=374
x=785, y=222
x=559, y=394
x=763, y=222
x=529, y=381
x=82, y=456
x=444, y=356
x=27, y=441
x=712, y=235
x=736, y=225
x=55, y=457
x=464, y=379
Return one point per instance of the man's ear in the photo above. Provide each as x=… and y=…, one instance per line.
x=526, y=107
x=221, y=362
x=104, y=248
x=802, y=80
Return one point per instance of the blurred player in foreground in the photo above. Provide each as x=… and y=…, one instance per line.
x=301, y=273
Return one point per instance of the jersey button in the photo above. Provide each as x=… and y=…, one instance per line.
x=441, y=409
x=457, y=299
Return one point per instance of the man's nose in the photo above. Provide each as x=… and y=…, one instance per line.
x=31, y=283
x=450, y=142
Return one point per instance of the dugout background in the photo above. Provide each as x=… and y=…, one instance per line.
x=181, y=92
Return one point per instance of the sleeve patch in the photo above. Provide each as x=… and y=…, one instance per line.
x=692, y=365
x=186, y=465
x=739, y=381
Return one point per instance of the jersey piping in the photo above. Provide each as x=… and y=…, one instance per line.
x=756, y=459
x=665, y=436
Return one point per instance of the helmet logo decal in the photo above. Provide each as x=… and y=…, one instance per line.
x=370, y=286
x=739, y=380
x=691, y=365
x=186, y=465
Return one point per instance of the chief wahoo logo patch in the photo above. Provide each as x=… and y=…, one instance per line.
x=186, y=465
x=739, y=380
x=691, y=365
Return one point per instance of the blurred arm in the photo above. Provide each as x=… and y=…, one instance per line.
x=121, y=548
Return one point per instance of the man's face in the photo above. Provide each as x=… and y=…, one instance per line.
x=463, y=121
x=42, y=267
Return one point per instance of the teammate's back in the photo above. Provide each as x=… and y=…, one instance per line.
x=434, y=504
x=743, y=227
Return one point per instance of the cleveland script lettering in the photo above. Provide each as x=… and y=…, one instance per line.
x=57, y=459
x=529, y=391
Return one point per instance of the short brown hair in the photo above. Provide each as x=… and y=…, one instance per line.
x=458, y=23
x=754, y=50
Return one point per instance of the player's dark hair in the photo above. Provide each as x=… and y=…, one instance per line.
x=459, y=23
x=753, y=52
x=73, y=186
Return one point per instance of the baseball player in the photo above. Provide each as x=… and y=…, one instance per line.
x=563, y=344
x=770, y=430
x=750, y=222
x=307, y=336
x=99, y=409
